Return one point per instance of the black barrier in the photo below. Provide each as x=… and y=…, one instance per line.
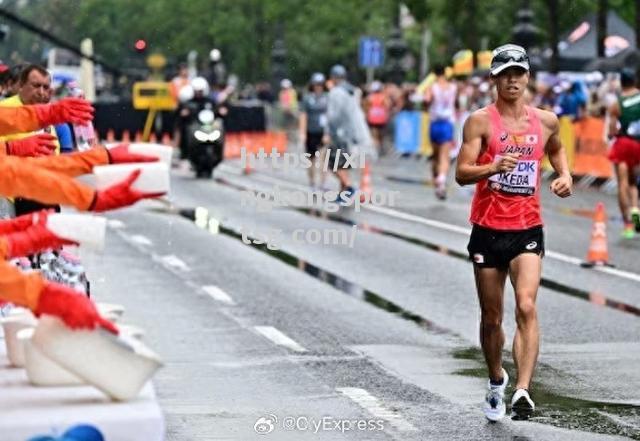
x=122, y=116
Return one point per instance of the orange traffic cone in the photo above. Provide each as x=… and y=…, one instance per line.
x=247, y=165
x=126, y=137
x=365, y=184
x=138, y=136
x=598, y=253
x=153, y=138
x=111, y=135
x=166, y=139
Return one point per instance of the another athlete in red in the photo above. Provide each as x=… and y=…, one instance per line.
x=503, y=145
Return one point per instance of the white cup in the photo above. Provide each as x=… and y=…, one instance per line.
x=41, y=370
x=87, y=230
x=161, y=151
x=12, y=325
x=117, y=365
x=153, y=179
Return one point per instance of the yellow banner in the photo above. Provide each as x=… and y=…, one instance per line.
x=484, y=60
x=463, y=62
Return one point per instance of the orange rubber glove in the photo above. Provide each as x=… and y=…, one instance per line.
x=21, y=223
x=67, y=110
x=36, y=145
x=72, y=307
x=121, y=154
x=33, y=240
x=120, y=195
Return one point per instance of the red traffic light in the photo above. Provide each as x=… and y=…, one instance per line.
x=140, y=45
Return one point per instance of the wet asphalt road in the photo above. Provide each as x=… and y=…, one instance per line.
x=382, y=334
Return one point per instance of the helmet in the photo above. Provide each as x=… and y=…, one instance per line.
x=215, y=55
x=185, y=94
x=200, y=84
x=317, y=78
x=338, y=71
x=285, y=84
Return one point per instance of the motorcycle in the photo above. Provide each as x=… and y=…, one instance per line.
x=205, y=142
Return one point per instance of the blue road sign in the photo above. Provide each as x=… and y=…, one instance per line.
x=371, y=52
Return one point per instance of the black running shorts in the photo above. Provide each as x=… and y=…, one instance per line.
x=496, y=249
x=337, y=158
x=314, y=142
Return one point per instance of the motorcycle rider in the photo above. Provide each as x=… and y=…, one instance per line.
x=193, y=99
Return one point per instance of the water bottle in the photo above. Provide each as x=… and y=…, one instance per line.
x=85, y=134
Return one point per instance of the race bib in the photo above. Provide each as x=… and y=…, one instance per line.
x=523, y=180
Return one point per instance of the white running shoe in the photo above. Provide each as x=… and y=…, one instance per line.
x=494, y=407
x=522, y=406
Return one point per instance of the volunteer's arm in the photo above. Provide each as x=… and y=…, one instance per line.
x=80, y=163
x=30, y=118
x=22, y=289
x=20, y=178
x=31, y=291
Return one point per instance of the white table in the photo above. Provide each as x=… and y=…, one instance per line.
x=26, y=411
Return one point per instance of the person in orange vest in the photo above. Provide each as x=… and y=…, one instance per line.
x=288, y=101
x=40, y=179
x=34, y=87
x=179, y=81
x=377, y=107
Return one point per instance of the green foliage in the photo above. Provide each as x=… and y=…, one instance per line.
x=317, y=33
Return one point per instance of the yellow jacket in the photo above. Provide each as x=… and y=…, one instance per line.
x=15, y=101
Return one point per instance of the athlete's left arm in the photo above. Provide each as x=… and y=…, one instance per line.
x=562, y=185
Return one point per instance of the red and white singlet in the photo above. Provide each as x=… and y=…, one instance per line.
x=510, y=201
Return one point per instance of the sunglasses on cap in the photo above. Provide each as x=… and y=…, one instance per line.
x=510, y=55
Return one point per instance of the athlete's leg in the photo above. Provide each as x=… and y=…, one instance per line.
x=344, y=178
x=524, y=271
x=622, y=174
x=311, y=170
x=490, y=286
x=443, y=159
x=323, y=173
x=633, y=188
x=435, y=161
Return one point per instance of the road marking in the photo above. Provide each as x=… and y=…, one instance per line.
x=175, y=262
x=467, y=231
x=372, y=405
x=418, y=219
x=142, y=240
x=218, y=294
x=279, y=338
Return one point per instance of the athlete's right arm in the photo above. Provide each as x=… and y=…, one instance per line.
x=467, y=169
